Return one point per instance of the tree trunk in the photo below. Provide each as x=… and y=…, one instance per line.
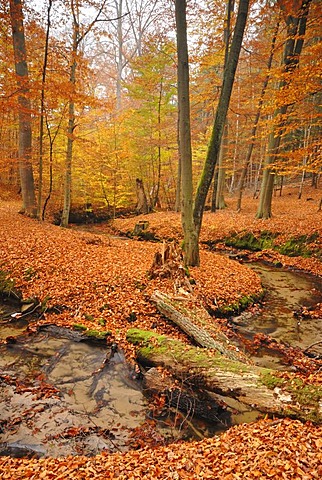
x=191, y=246
x=261, y=388
x=77, y=38
x=24, y=104
x=42, y=115
x=71, y=121
x=220, y=197
x=257, y=117
x=142, y=202
x=296, y=27
x=221, y=113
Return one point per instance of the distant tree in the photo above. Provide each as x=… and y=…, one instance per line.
x=256, y=121
x=79, y=33
x=295, y=14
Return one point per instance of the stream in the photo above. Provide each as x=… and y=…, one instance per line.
x=286, y=292
x=62, y=395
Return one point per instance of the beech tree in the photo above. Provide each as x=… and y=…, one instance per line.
x=78, y=36
x=296, y=20
x=191, y=247
x=24, y=109
x=192, y=213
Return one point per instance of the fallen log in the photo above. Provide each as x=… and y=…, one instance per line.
x=261, y=388
x=179, y=397
x=196, y=322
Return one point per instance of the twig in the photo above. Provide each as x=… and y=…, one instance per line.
x=312, y=345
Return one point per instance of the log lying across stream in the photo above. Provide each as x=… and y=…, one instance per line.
x=195, y=321
x=261, y=388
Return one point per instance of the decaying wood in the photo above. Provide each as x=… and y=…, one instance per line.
x=260, y=388
x=182, y=398
x=168, y=263
x=195, y=321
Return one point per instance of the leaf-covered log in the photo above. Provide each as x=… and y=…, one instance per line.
x=196, y=322
x=260, y=388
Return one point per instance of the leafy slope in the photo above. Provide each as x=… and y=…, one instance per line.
x=101, y=279
x=102, y=282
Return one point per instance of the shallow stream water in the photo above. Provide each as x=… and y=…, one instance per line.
x=286, y=292
x=98, y=403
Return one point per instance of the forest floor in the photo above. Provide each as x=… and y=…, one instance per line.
x=99, y=281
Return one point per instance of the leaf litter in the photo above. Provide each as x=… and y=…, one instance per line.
x=101, y=283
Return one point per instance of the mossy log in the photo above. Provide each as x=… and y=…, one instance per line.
x=196, y=322
x=180, y=397
x=261, y=388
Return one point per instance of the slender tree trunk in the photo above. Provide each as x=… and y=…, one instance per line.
x=42, y=115
x=257, y=117
x=177, y=206
x=77, y=38
x=296, y=27
x=25, y=131
x=191, y=247
x=71, y=118
x=156, y=188
x=119, y=13
x=220, y=184
x=70, y=137
x=220, y=197
x=221, y=113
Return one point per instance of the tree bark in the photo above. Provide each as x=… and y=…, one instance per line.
x=42, y=114
x=196, y=322
x=142, y=202
x=71, y=120
x=255, y=125
x=24, y=104
x=296, y=28
x=261, y=388
x=221, y=113
x=191, y=246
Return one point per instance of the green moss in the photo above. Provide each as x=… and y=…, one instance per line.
x=249, y=241
x=153, y=344
x=244, y=302
x=295, y=246
x=89, y=317
x=268, y=379
x=79, y=326
x=91, y=333
x=97, y=334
